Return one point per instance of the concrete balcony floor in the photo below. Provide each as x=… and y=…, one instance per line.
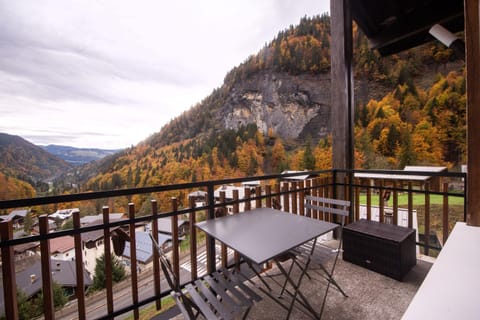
x=370, y=294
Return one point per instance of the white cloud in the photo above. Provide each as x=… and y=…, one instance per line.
x=109, y=73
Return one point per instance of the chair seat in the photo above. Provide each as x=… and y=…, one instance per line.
x=219, y=295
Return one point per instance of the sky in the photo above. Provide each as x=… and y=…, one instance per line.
x=109, y=73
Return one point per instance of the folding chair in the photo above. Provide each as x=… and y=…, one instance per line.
x=315, y=255
x=220, y=295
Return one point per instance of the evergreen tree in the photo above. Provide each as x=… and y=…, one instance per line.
x=308, y=157
x=118, y=272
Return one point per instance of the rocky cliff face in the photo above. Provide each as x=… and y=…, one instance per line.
x=292, y=106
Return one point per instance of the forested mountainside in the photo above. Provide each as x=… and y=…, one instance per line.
x=11, y=188
x=23, y=160
x=273, y=113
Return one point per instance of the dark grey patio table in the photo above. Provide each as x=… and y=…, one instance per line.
x=264, y=234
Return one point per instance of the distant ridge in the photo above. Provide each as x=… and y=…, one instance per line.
x=78, y=156
x=26, y=161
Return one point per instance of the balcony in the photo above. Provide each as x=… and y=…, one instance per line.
x=429, y=202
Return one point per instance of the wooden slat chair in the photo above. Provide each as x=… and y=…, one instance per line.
x=316, y=256
x=220, y=295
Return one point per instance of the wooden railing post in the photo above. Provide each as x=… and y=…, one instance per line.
x=285, y=196
x=210, y=241
x=236, y=210
x=276, y=188
x=175, y=244
x=133, y=259
x=108, y=259
x=8, y=272
x=224, y=249
x=247, y=204
x=258, y=195
x=410, y=205
x=47, y=282
x=357, y=200
x=193, y=240
x=80, y=291
x=427, y=218
x=156, y=255
x=445, y=212
x=293, y=189
x=301, y=197
x=395, y=203
x=381, y=203
x=369, y=203
x=268, y=192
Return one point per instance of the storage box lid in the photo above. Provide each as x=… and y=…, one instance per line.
x=380, y=230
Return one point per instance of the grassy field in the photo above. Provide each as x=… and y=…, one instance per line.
x=418, y=200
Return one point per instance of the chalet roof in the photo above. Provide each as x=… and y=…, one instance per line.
x=63, y=213
x=396, y=25
x=165, y=225
x=14, y=214
x=298, y=177
x=99, y=218
x=144, y=245
x=198, y=194
x=228, y=189
x=62, y=244
x=389, y=176
x=20, y=248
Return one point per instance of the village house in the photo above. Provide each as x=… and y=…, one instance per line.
x=62, y=248
x=29, y=280
x=17, y=217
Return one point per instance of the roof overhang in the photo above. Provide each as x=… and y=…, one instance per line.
x=396, y=25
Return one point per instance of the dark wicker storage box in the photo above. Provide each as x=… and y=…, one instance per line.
x=384, y=248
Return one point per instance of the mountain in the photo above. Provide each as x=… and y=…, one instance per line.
x=78, y=156
x=26, y=161
x=273, y=112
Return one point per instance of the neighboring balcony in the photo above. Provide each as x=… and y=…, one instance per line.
x=430, y=202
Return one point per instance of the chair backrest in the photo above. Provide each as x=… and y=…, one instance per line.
x=173, y=282
x=166, y=266
x=328, y=205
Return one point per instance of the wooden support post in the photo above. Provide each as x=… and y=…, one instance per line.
x=472, y=46
x=342, y=88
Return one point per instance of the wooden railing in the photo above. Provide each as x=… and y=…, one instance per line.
x=277, y=191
